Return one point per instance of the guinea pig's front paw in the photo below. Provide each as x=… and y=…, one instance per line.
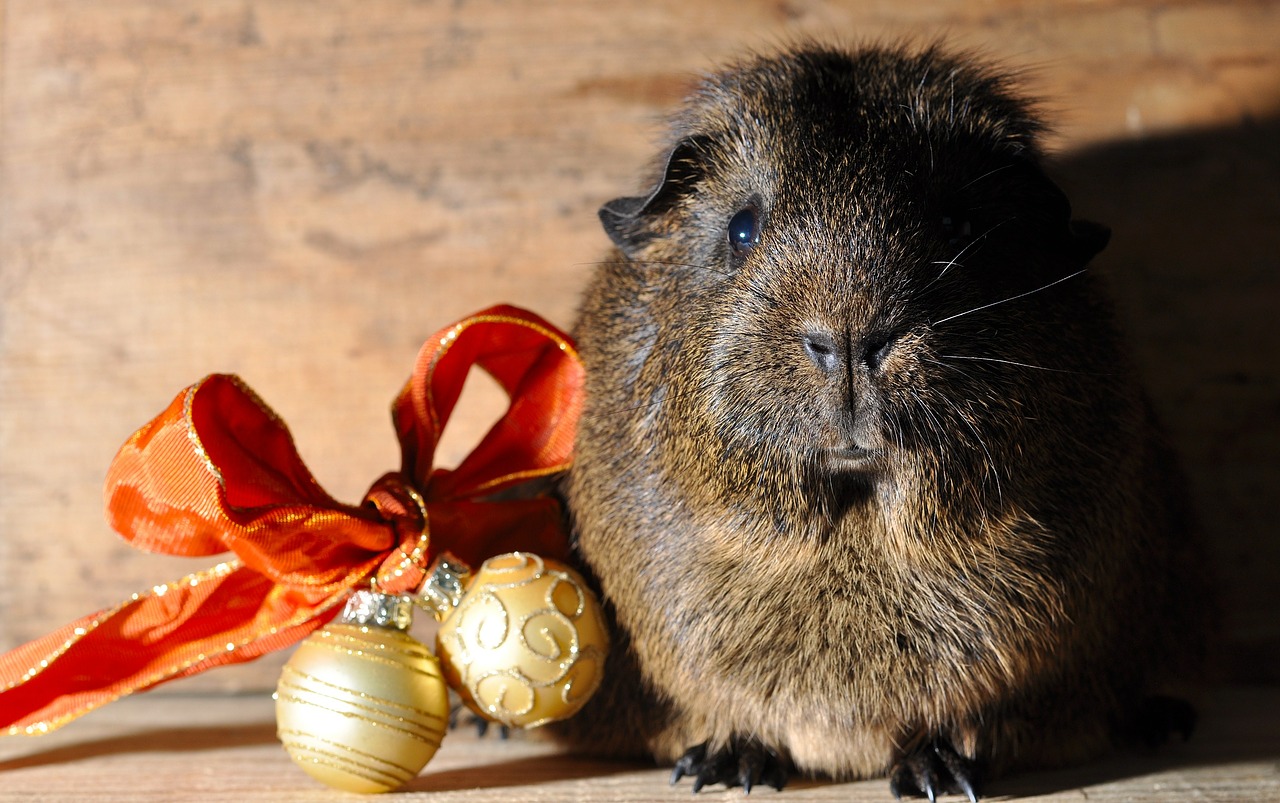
x=743, y=762
x=933, y=768
x=462, y=717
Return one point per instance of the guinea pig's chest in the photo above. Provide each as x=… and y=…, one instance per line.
x=779, y=597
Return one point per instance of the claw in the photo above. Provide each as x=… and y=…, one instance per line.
x=777, y=778
x=686, y=764
x=744, y=763
x=962, y=771
x=926, y=785
x=934, y=768
x=898, y=781
x=747, y=768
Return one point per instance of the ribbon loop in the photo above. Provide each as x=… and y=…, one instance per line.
x=218, y=471
x=538, y=368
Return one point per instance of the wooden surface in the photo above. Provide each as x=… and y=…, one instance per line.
x=219, y=748
x=300, y=193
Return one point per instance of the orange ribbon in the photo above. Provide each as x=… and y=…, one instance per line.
x=218, y=472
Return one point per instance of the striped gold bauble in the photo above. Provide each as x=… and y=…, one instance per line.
x=361, y=705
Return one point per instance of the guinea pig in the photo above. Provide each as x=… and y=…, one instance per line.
x=864, y=476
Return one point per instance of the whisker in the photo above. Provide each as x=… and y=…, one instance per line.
x=948, y=366
x=1019, y=364
x=1010, y=298
x=975, y=241
x=937, y=430
x=987, y=174
x=992, y=468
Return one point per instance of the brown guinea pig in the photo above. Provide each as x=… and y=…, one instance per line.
x=865, y=476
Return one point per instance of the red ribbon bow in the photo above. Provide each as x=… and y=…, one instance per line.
x=218, y=471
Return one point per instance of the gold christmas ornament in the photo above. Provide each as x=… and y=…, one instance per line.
x=525, y=645
x=361, y=705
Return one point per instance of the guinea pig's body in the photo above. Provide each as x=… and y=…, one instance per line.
x=864, y=474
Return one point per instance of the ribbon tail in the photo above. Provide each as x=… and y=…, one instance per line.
x=225, y=615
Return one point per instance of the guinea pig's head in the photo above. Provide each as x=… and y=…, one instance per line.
x=866, y=284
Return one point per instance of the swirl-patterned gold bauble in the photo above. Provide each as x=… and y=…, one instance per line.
x=526, y=643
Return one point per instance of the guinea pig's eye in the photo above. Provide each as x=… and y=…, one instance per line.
x=744, y=230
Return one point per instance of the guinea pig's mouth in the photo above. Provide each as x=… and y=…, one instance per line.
x=852, y=458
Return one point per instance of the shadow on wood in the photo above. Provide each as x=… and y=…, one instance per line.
x=1194, y=261
x=520, y=772
x=1237, y=727
x=166, y=740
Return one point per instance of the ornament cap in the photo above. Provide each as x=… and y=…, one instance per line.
x=445, y=585
x=375, y=609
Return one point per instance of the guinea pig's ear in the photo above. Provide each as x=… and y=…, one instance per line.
x=1078, y=239
x=1086, y=238
x=628, y=221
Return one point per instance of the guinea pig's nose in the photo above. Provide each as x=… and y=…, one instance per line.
x=821, y=348
x=827, y=354
x=875, y=349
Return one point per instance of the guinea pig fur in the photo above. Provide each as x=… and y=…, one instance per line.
x=865, y=476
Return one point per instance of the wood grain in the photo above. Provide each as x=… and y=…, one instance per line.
x=223, y=748
x=300, y=193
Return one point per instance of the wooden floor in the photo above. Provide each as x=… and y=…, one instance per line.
x=223, y=748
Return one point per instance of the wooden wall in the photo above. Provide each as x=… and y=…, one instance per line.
x=301, y=192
